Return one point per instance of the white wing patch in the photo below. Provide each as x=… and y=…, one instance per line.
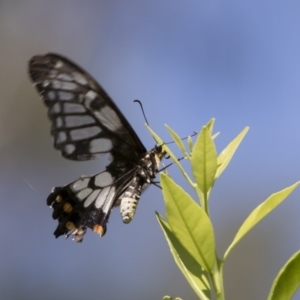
x=100, y=145
x=55, y=109
x=65, y=85
x=51, y=95
x=91, y=95
x=91, y=198
x=46, y=83
x=59, y=64
x=65, y=96
x=103, y=179
x=109, y=118
x=84, y=133
x=76, y=121
x=83, y=194
x=62, y=137
x=65, y=76
x=79, y=78
x=104, y=199
x=108, y=202
x=80, y=184
x=70, y=108
x=59, y=122
x=69, y=148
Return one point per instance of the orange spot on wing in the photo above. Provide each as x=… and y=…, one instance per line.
x=99, y=229
x=67, y=208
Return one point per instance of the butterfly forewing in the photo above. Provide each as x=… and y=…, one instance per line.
x=85, y=121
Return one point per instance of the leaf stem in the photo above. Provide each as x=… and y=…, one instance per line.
x=217, y=279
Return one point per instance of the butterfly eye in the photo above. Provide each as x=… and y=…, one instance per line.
x=158, y=148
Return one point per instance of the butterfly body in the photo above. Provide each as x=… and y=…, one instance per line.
x=87, y=123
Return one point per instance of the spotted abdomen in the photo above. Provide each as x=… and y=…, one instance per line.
x=128, y=208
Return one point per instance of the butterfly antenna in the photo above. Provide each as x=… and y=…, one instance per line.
x=194, y=133
x=141, y=105
x=142, y=108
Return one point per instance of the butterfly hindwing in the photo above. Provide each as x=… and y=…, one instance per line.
x=86, y=202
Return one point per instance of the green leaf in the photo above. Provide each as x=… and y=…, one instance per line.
x=155, y=136
x=176, y=139
x=189, y=223
x=287, y=280
x=226, y=155
x=170, y=298
x=210, y=125
x=215, y=135
x=204, y=161
x=259, y=213
x=192, y=271
x=190, y=143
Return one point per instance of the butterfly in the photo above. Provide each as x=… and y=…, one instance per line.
x=87, y=123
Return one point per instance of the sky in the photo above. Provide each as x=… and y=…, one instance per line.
x=188, y=62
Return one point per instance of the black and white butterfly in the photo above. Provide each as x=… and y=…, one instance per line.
x=86, y=122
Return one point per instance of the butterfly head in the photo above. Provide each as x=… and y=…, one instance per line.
x=159, y=151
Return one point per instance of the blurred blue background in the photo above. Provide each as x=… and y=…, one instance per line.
x=188, y=61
